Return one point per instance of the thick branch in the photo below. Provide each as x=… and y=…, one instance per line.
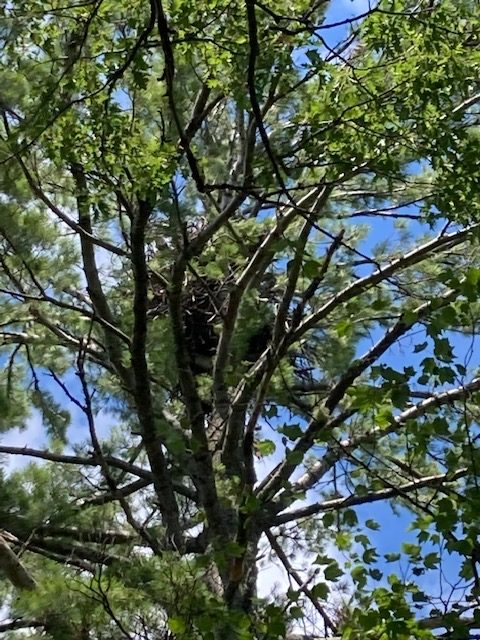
x=94, y=286
x=359, y=286
x=392, y=335
x=337, y=452
x=437, y=481
x=69, y=549
x=143, y=396
x=256, y=266
x=20, y=623
x=202, y=474
x=13, y=569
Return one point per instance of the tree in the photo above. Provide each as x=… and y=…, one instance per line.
x=244, y=235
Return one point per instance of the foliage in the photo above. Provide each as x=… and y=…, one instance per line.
x=239, y=289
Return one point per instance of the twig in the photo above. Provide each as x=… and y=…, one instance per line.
x=298, y=579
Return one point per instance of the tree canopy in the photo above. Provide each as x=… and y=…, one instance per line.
x=239, y=291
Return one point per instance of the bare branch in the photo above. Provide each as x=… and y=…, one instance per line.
x=438, y=481
x=298, y=579
x=411, y=258
x=335, y=453
x=14, y=570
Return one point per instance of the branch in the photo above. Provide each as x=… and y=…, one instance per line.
x=438, y=481
x=469, y=102
x=52, y=457
x=251, y=83
x=242, y=166
x=392, y=335
x=94, y=285
x=93, y=461
x=79, y=535
x=293, y=275
x=119, y=492
x=298, y=579
x=336, y=452
x=44, y=297
x=111, y=483
x=142, y=387
x=255, y=267
x=447, y=622
x=278, y=332
x=200, y=111
x=61, y=558
x=169, y=74
x=83, y=233
x=75, y=552
x=14, y=570
x=359, y=286
x=313, y=286
x=202, y=474
x=276, y=479
x=20, y=623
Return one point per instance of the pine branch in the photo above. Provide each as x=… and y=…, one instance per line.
x=13, y=569
x=334, y=452
x=142, y=387
x=439, y=481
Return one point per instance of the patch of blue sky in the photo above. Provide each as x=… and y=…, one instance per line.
x=340, y=18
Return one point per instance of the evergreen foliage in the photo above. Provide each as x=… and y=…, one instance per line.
x=239, y=296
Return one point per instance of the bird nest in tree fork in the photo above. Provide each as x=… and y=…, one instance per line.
x=204, y=302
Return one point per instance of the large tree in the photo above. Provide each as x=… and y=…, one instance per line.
x=239, y=286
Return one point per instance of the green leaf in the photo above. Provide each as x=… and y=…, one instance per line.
x=359, y=576
x=333, y=572
x=311, y=268
x=349, y=518
x=265, y=447
x=420, y=347
x=320, y=591
x=296, y=613
x=431, y=560
x=292, y=431
x=177, y=625
x=392, y=557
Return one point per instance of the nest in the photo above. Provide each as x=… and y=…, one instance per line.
x=203, y=302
